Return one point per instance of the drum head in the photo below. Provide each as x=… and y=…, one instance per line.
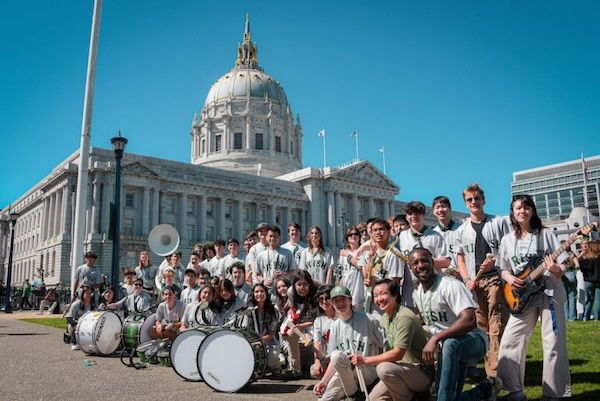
x=104, y=336
x=226, y=360
x=146, y=326
x=183, y=354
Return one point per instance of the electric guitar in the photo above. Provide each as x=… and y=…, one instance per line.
x=533, y=275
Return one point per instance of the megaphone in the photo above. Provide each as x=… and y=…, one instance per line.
x=163, y=239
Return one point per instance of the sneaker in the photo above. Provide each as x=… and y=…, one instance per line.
x=40, y=313
x=75, y=347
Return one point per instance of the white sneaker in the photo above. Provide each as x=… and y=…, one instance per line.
x=48, y=313
x=75, y=347
x=40, y=313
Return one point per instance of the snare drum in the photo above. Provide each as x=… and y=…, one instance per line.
x=184, y=352
x=164, y=357
x=136, y=329
x=223, y=347
x=97, y=332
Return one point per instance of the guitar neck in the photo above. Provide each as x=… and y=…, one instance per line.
x=538, y=271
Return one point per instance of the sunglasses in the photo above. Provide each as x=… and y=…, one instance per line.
x=354, y=235
x=323, y=299
x=137, y=285
x=474, y=199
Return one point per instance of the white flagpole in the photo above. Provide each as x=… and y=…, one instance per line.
x=382, y=150
x=585, y=186
x=84, y=149
x=322, y=135
x=356, y=139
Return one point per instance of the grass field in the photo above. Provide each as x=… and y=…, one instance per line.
x=583, y=339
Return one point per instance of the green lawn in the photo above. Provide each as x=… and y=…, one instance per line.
x=583, y=339
x=583, y=342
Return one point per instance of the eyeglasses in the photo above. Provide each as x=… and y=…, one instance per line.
x=137, y=285
x=323, y=299
x=473, y=199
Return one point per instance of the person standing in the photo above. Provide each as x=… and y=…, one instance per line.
x=295, y=245
x=147, y=272
x=442, y=210
x=88, y=273
x=589, y=264
x=448, y=311
x=530, y=240
x=316, y=259
x=352, y=274
x=275, y=261
x=25, y=296
x=478, y=241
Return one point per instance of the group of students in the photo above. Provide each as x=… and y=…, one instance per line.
x=412, y=305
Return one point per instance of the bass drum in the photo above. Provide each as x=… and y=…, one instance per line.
x=222, y=348
x=184, y=351
x=98, y=332
x=136, y=329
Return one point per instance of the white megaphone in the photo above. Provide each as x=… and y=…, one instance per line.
x=163, y=239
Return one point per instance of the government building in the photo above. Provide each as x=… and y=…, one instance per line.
x=246, y=167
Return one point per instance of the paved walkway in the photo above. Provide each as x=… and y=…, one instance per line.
x=37, y=364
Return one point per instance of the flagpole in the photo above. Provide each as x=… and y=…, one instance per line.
x=356, y=140
x=84, y=149
x=585, y=186
x=322, y=135
x=382, y=150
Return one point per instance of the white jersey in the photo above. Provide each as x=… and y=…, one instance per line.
x=443, y=302
x=193, y=317
x=147, y=274
x=358, y=335
x=392, y=267
x=296, y=250
x=136, y=303
x=253, y=254
x=166, y=315
x=353, y=279
x=449, y=235
x=514, y=255
x=317, y=264
x=430, y=240
x=228, y=260
x=243, y=292
x=493, y=230
x=270, y=260
x=216, y=266
x=189, y=295
x=88, y=275
x=321, y=332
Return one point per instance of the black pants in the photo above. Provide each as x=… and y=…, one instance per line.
x=26, y=300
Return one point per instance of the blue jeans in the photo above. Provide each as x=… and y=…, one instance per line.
x=457, y=353
x=592, y=290
x=570, y=282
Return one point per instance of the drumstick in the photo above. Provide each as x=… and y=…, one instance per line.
x=360, y=376
x=67, y=308
x=488, y=256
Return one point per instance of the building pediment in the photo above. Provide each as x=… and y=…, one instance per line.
x=138, y=168
x=364, y=173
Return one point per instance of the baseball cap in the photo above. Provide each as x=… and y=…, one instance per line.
x=261, y=226
x=340, y=291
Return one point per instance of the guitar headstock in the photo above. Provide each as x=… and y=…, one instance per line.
x=585, y=230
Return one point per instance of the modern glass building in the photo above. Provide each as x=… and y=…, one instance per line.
x=559, y=188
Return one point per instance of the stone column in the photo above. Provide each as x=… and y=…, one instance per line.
x=155, y=208
x=65, y=209
x=248, y=133
x=354, y=219
x=239, y=221
x=68, y=194
x=161, y=207
x=287, y=218
x=330, y=218
x=338, y=215
x=371, y=208
x=109, y=198
x=145, y=210
x=182, y=216
x=95, y=207
x=51, y=216
x=272, y=214
x=45, y=216
x=202, y=217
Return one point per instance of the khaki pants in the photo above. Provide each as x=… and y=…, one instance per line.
x=399, y=381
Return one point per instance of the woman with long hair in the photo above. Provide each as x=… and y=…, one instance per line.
x=529, y=241
x=195, y=313
x=264, y=321
x=321, y=328
x=147, y=272
x=224, y=307
x=315, y=258
x=352, y=274
x=302, y=311
x=589, y=262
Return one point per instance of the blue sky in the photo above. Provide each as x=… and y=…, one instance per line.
x=456, y=91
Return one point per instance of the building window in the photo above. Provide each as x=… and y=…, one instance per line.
x=278, y=143
x=210, y=233
x=191, y=205
x=259, y=141
x=191, y=231
x=129, y=199
x=237, y=140
x=292, y=148
x=217, y=143
x=128, y=226
x=169, y=205
x=203, y=147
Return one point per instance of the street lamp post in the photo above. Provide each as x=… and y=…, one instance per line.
x=118, y=144
x=7, y=303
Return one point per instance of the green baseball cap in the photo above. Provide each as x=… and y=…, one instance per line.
x=340, y=291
